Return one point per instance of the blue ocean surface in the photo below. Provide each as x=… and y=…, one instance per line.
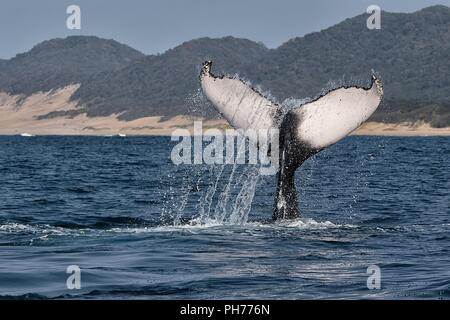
x=140, y=227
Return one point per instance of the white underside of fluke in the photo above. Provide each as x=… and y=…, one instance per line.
x=333, y=116
x=320, y=123
x=242, y=106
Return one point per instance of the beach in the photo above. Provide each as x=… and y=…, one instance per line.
x=20, y=115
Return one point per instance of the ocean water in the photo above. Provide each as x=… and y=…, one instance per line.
x=140, y=227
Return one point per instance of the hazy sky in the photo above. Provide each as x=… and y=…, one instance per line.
x=153, y=26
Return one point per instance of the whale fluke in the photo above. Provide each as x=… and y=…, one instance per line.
x=308, y=129
x=304, y=130
x=241, y=105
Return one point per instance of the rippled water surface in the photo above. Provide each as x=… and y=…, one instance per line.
x=140, y=227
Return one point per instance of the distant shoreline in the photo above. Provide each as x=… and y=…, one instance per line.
x=27, y=116
x=400, y=130
x=166, y=129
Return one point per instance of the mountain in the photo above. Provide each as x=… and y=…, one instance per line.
x=411, y=53
x=160, y=85
x=59, y=62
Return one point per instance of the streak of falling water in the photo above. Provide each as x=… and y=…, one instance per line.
x=232, y=204
x=244, y=199
x=220, y=212
x=221, y=206
x=212, y=191
x=176, y=199
x=205, y=201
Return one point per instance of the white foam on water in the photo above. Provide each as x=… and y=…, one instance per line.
x=194, y=224
x=16, y=228
x=43, y=230
x=311, y=224
x=200, y=223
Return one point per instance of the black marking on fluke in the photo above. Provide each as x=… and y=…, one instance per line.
x=293, y=151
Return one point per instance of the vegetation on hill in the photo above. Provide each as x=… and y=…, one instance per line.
x=58, y=62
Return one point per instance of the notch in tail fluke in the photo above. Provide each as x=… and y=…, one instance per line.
x=206, y=68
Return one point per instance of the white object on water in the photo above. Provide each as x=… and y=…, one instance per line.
x=27, y=135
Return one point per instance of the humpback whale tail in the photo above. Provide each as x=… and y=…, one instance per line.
x=304, y=130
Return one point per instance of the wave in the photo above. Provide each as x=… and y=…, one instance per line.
x=308, y=223
x=42, y=231
x=199, y=224
x=193, y=224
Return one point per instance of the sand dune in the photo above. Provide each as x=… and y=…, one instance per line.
x=401, y=129
x=20, y=114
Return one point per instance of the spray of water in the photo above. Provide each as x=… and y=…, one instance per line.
x=244, y=199
x=225, y=199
